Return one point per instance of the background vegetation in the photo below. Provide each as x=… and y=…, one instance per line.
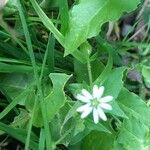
x=50, y=50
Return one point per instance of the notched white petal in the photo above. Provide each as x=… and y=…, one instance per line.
x=106, y=106
x=82, y=98
x=86, y=112
x=101, y=91
x=83, y=108
x=101, y=114
x=95, y=116
x=96, y=106
x=86, y=94
x=95, y=91
x=106, y=99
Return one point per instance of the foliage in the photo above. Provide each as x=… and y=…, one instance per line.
x=52, y=51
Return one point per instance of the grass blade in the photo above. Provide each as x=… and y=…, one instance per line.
x=47, y=22
x=32, y=57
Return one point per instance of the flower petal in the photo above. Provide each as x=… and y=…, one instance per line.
x=83, y=108
x=101, y=114
x=95, y=116
x=82, y=98
x=95, y=91
x=105, y=99
x=86, y=112
x=106, y=106
x=101, y=91
x=86, y=94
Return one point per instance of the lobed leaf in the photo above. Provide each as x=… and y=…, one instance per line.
x=55, y=100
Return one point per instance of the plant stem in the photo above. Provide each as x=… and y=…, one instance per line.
x=89, y=72
x=30, y=125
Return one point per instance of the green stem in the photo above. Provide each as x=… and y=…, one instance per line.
x=89, y=72
x=30, y=126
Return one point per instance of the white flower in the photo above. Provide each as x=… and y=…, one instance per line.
x=94, y=103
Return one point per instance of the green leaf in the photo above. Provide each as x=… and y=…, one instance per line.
x=55, y=100
x=15, y=101
x=22, y=119
x=7, y=68
x=146, y=75
x=98, y=141
x=42, y=140
x=71, y=113
x=14, y=84
x=63, y=7
x=87, y=17
x=114, y=83
x=19, y=134
x=81, y=70
x=134, y=105
x=133, y=134
x=113, y=86
x=92, y=126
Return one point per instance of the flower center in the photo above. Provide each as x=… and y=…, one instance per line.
x=95, y=102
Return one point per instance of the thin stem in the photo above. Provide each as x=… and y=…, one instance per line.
x=89, y=72
x=30, y=125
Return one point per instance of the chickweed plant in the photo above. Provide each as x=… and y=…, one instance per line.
x=64, y=84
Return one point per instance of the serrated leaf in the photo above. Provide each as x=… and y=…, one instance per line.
x=134, y=105
x=87, y=17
